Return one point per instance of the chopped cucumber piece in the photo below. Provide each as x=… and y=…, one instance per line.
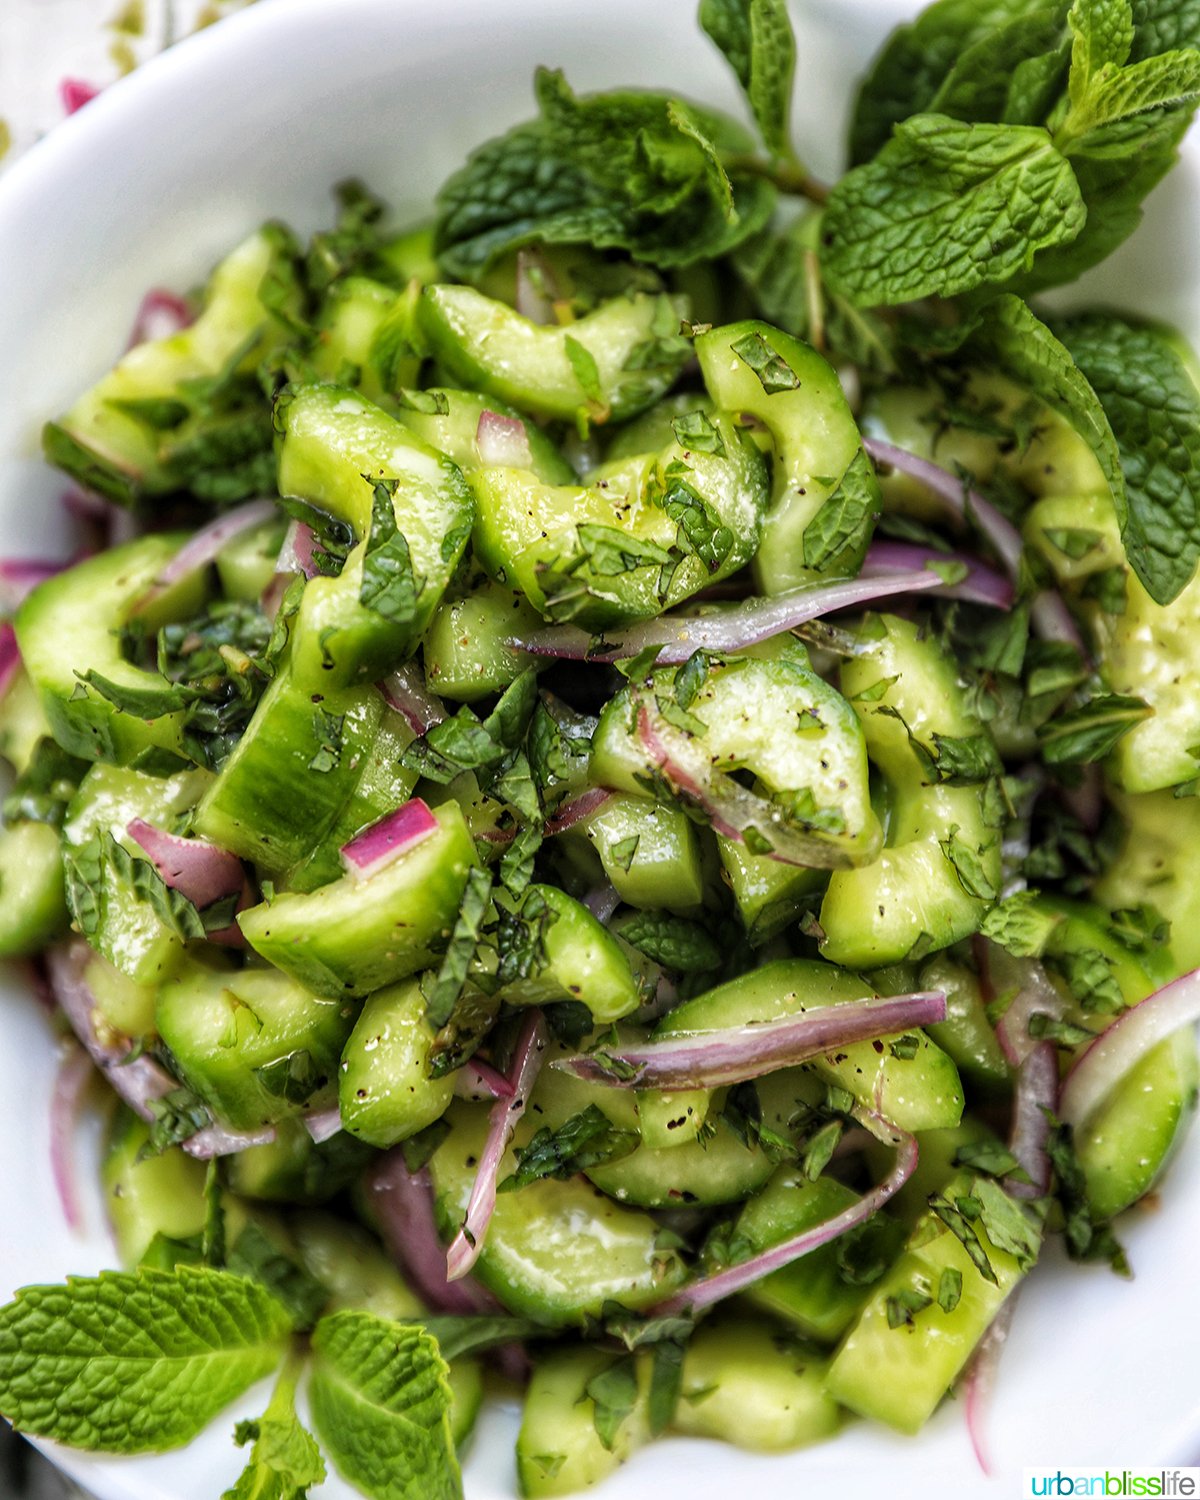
x=254, y=1045
x=555, y=1251
x=559, y=1451
x=749, y=1383
x=33, y=904
x=149, y=1195
x=384, y=1087
x=356, y=935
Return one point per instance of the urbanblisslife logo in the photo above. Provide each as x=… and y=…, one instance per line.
x=1122, y=1483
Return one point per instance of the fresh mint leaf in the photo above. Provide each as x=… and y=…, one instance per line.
x=694, y=431
x=1020, y=924
x=1088, y=733
x=903, y=1307
x=284, y=1460
x=380, y=1397
x=949, y=1289
x=837, y=536
x=257, y=1257
x=1012, y=74
x=639, y=172
x=135, y=1361
x=920, y=58
x=614, y=1395
x=1091, y=978
x=469, y=1334
x=675, y=942
x=947, y=207
x=442, y=994
x=1101, y=39
x=773, y=371
x=757, y=40
x=1006, y=1223
x=389, y=585
x=1151, y=404
x=1088, y=1239
x=587, y=1139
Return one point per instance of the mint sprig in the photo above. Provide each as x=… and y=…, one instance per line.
x=380, y=1398
x=135, y=1361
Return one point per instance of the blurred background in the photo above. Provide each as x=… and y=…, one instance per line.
x=55, y=54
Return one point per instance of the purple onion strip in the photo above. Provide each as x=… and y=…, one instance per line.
x=1051, y=618
x=322, y=1124
x=733, y=629
x=384, y=841
x=506, y=1113
x=982, y=585
x=403, y=1205
x=478, y=1080
x=10, y=656
x=70, y=1082
x=406, y=692
x=981, y=1378
x=202, y=549
x=577, y=809
x=19, y=576
x=732, y=1279
x=1136, y=1031
x=141, y=1080
x=712, y=1060
x=732, y=808
x=1036, y=1092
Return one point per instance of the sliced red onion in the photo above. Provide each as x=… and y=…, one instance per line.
x=403, y=1205
x=1034, y=1101
x=200, y=871
x=959, y=499
x=733, y=629
x=322, y=1124
x=732, y=809
x=70, y=1082
x=577, y=809
x=502, y=441
x=714, y=1059
x=478, y=1080
x=161, y=314
x=139, y=1081
x=1121, y=1046
x=506, y=1113
x=602, y=901
x=202, y=549
x=733, y=1279
x=10, y=656
x=1051, y=618
x=296, y=551
x=74, y=93
x=19, y=576
x=980, y=1378
x=530, y=300
x=982, y=585
x=406, y=692
x=1035, y=996
x=386, y=840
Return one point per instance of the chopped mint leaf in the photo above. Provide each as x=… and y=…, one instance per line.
x=614, y=1395
x=389, y=585
x=442, y=994
x=773, y=371
x=1089, y=733
x=587, y=1139
x=949, y=1289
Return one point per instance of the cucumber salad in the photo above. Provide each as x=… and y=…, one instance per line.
x=609, y=801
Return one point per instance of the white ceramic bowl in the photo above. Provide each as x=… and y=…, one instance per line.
x=257, y=118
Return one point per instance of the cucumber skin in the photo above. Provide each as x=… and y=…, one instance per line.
x=898, y=1375
x=224, y=1030
x=384, y=1088
x=923, y=1092
x=354, y=936
x=555, y=1251
x=33, y=902
x=68, y=625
